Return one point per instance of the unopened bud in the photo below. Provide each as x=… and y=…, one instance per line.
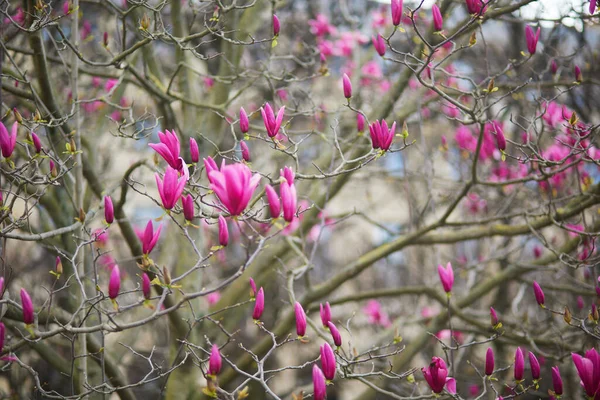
x=37, y=116
x=73, y=148
x=145, y=22
x=105, y=39
x=567, y=316
x=166, y=275
x=18, y=116
x=81, y=215
x=59, y=266
x=473, y=39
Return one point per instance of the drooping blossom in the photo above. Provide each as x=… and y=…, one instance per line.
x=8, y=141
x=435, y=374
x=214, y=361
x=327, y=361
x=446, y=276
x=300, y=319
x=272, y=123
x=114, y=284
x=27, y=304
x=381, y=135
x=532, y=38
x=234, y=185
x=170, y=187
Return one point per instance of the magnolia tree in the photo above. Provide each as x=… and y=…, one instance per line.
x=318, y=199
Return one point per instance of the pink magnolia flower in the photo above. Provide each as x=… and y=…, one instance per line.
x=168, y=148
x=234, y=185
x=375, y=314
x=109, y=211
x=289, y=198
x=37, y=143
x=435, y=374
x=27, y=304
x=8, y=141
x=327, y=361
x=519, y=367
x=325, y=313
x=476, y=7
x=272, y=124
x=300, y=319
x=321, y=26
x=110, y=84
x=347, y=85
x=245, y=151
x=557, y=382
x=149, y=237
x=214, y=361
x=489, y=361
x=259, y=304
x=539, y=293
x=446, y=276
x=360, y=122
x=273, y=200
x=379, y=44
x=325, y=47
x=244, y=122
x=276, y=25
x=438, y=21
x=381, y=135
x=396, y=7
x=114, y=284
x=588, y=369
x=223, y=231
x=535, y=366
x=194, y=152
x=213, y=298
x=187, y=202
x=146, y=285
x=170, y=187
x=335, y=334
x=532, y=38
x=319, y=385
